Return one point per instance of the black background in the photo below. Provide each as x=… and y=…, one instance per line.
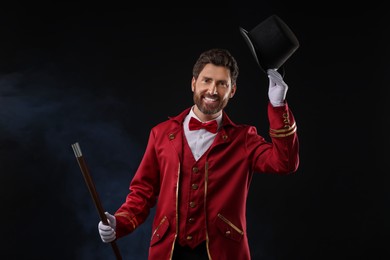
x=104, y=74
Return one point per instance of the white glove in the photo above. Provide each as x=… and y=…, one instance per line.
x=277, y=88
x=107, y=232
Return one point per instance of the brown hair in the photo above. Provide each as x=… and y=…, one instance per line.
x=217, y=57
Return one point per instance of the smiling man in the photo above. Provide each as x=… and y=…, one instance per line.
x=198, y=166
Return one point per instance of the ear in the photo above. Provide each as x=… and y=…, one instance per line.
x=193, y=81
x=233, y=91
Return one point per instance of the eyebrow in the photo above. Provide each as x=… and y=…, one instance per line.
x=218, y=81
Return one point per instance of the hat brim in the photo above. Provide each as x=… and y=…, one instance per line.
x=252, y=48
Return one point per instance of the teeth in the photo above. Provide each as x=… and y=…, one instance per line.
x=210, y=99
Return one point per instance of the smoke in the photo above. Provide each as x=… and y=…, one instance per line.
x=47, y=203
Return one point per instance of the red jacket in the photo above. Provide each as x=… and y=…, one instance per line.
x=238, y=152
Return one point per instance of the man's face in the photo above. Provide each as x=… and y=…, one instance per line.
x=212, y=91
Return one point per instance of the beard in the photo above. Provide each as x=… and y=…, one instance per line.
x=209, y=109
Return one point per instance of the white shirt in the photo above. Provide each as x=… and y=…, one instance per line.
x=199, y=140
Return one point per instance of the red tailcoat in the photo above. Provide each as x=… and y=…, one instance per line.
x=237, y=152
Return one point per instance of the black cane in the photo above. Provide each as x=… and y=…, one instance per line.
x=94, y=194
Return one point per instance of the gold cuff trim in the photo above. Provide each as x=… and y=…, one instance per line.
x=287, y=129
x=283, y=135
x=133, y=220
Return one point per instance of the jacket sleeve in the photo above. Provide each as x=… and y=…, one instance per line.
x=143, y=192
x=281, y=155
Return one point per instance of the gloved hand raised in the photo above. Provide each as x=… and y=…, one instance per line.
x=107, y=232
x=277, y=88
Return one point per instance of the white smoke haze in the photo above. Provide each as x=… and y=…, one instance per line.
x=38, y=124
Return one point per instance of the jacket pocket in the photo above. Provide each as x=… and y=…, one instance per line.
x=228, y=229
x=160, y=231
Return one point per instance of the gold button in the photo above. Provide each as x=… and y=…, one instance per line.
x=286, y=120
x=224, y=137
x=286, y=126
x=195, y=169
x=194, y=186
x=191, y=220
x=285, y=115
x=189, y=237
x=171, y=136
x=192, y=204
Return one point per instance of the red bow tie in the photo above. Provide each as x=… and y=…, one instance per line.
x=211, y=126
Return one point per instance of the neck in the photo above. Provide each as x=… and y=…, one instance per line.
x=205, y=117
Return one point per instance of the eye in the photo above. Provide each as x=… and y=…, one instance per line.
x=223, y=84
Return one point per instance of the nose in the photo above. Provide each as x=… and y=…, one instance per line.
x=212, y=89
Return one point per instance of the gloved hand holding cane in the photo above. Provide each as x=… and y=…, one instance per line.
x=107, y=232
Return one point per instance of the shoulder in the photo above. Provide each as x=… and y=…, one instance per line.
x=172, y=123
x=164, y=125
x=236, y=127
x=241, y=129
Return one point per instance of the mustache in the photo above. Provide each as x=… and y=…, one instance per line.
x=215, y=96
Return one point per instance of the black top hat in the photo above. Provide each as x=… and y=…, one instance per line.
x=271, y=42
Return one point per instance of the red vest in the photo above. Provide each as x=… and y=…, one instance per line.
x=192, y=229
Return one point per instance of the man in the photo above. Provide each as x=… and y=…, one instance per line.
x=198, y=178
